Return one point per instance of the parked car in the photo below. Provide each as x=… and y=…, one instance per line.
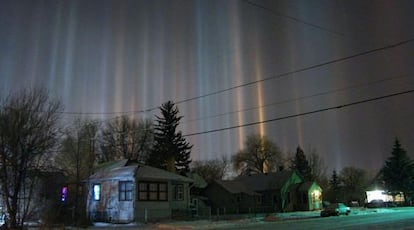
x=380, y=204
x=376, y=204
x=335, y=209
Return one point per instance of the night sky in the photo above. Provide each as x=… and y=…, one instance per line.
x=279, y=68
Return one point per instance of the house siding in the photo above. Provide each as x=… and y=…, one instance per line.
x=224, y=202
x=109, y=208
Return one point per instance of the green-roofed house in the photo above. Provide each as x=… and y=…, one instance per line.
x=125, y=191
x=277, y=191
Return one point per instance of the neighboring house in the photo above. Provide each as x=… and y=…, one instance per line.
x=44, y=198
x=198, y=201
x=231, y=197
x=278, y=191
x=308, y=196
x=379, y=194
x=126, y=191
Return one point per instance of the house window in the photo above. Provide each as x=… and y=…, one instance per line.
x=96, y=192
x=259, y=199
x=152, y=191
x=179, y=192
x=125, y=190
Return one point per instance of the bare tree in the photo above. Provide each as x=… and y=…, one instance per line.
x=318, y=167
x=211, y=170
x=77, y=157
x=28, y=132
x=126, y=138
x=354, y=181
x=260, y=155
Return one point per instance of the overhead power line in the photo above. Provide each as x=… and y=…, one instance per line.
x=303, y=114
x=277, y=76
x=292, y=18
x=300, y=70
x=301, y=98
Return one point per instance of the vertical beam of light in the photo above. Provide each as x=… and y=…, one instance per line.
x=57, y=23
x=34, y=54
x=143, y=63
x=298, y=110
x=104, y=63
x=69, y=53
x=201, y=72
x=259, y=88
x=119, y=59
x=161, y=36
x=237, y=66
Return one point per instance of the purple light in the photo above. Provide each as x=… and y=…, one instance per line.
x=64, y=193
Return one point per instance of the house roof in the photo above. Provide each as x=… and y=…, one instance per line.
x=199, y=181
x=263, y=182
x=151, y=173
x=109, y=173
x=305, y=186
x=235, y=187
x=124, y=169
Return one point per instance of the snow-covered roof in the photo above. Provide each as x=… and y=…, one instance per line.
x=113, y=173
x=151, y=173
x=123, y=169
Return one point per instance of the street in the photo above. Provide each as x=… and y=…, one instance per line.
x=401, y=218
x=394, y=218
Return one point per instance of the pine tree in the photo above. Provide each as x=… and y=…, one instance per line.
x=335, y=184
x=398, y=170
x=301, y=164
x=171, y=151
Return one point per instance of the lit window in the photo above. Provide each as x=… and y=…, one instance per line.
x=125, y=190
x=97, y=192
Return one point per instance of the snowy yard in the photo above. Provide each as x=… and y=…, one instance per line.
x=243, y=222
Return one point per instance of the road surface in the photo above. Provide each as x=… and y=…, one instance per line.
x=395, y=218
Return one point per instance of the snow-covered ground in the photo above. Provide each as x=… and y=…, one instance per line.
x=211, y=224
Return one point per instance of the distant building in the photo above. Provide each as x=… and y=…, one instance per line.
x=278, y=191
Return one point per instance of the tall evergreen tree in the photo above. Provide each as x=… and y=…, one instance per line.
x=301, y=164
x=171, y=151
x=334, y=186
x=398, y=171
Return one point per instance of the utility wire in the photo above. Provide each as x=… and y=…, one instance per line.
x=301, y=98
x=302, y=114
x=277, y=76
x=292, y=18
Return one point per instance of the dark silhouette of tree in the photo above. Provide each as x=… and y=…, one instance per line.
x=126, y=138
x=398, y=171
x=76, y=159
x=171, y=151
x=334, y=187
x=210, y=170
x=301, y=165
x=354, y=182
x=28, y=134
x=318, y=168
x=260, y=155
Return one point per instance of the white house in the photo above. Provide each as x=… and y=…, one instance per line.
x=125, y=192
